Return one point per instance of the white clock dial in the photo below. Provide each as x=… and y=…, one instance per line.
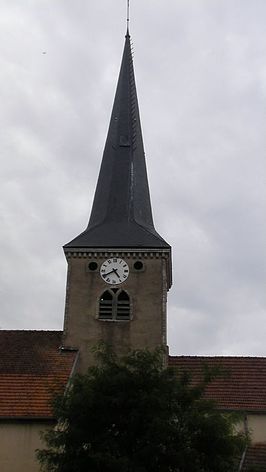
x=114, y=271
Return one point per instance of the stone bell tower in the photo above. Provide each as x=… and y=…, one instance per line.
x=119, y=268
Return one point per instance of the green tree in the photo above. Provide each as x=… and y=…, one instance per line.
x=132, y=415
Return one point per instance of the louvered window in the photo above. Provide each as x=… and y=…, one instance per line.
x=123, y=306
x=114, y=304
x=106, y=306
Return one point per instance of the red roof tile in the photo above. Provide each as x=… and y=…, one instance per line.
x=255, y=458
x=31, y=367
x=244, y=388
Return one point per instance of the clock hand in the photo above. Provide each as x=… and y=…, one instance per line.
x=118, y=276
x=108, y=273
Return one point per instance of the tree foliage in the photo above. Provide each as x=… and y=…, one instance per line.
x=132, y=415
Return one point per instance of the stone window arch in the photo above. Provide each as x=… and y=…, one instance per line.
x=114, y=304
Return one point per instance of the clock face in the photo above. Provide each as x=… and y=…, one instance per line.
x=114, y=271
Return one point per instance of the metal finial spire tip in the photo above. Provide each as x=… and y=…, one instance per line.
x=127, y=17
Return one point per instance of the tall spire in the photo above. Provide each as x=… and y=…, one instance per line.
x=121, y=215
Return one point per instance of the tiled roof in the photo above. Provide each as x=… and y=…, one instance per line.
x=31, y=367
x=255, y=458
x=244, y=386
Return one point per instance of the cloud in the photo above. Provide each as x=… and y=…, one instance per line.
x=200, y=69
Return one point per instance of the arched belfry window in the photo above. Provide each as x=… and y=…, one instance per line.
x=106, y=306
x=123, y=306
x=114, y=305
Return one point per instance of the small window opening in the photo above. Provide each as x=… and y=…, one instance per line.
x=93, y=266
x=138, y=265
x=124, y=141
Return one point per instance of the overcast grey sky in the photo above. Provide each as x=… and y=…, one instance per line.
x=200, y=68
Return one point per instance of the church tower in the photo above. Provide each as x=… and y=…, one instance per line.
x=119, y=268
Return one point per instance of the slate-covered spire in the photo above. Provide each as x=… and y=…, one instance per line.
x=121, y=215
